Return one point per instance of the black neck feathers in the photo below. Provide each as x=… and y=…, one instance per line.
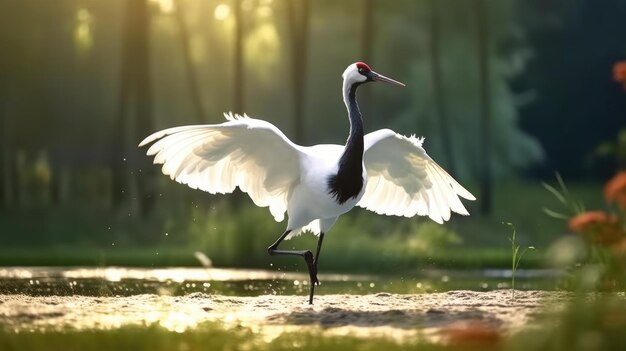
x=348, y=181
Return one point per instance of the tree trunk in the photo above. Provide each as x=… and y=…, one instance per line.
x=238, y=80
x=4, y=188
x=438, y=90
x=192, y=81
x=143, y=106
x=135, y=97
x=485, y=106
x=367, y=45
x=9, y=190
x=298, y=20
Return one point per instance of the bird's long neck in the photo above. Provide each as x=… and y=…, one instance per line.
x=354, y=146
x=348, y=182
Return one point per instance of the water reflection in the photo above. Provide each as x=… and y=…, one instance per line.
x=121, y=281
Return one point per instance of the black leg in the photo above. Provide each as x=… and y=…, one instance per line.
x=319, y=248
x=306, y=254
x=317, y=256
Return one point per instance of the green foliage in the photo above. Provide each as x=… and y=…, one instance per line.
x=615, y=149
x=513, y=148
x=210, y=336
x=237, y=235
x=586, y=323
x=573, y=207
x=430, y=238
x=516, y=256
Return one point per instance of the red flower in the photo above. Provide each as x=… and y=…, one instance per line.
x=597, y=227
x=619, y=72
x=615, y=190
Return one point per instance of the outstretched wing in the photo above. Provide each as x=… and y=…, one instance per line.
x=402, y=180
x=245, y=152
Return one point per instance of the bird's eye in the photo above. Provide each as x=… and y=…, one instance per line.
x=361, y=70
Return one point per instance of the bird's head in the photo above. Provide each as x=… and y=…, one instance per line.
x=360, y=72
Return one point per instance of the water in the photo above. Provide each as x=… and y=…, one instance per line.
x=120, y=281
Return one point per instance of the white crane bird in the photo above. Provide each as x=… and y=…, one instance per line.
x=382, y=171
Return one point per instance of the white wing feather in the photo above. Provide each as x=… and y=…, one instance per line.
x=249, y=153
x=404, y=181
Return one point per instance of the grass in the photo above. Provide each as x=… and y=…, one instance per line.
x=237, y=235
x=205, y=337
x=335, y=260
x=516, y=256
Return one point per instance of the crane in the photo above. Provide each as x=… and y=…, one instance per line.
x=382, y=171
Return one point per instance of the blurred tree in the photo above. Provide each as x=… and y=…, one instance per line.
x=438, y=91
x=190, y=71
x=574, y=46
x=5, y=186
x=135, y=96
x=368, y=37
x=486, y=186
x=238, y=80
x=298, y=22
x=511, y=148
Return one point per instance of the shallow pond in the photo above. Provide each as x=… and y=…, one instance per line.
x=269, y=303
x=120, y=281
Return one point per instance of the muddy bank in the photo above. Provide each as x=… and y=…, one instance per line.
x=394, y=315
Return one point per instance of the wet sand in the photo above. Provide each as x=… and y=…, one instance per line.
x=389, y=315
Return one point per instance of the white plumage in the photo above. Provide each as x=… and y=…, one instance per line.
x=254, y=155
x=382, y=171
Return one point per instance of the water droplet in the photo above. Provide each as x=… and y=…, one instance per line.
x=166, y=234
x=296, y=282
x=372, y=285
x=445, y=279
x=112, y=244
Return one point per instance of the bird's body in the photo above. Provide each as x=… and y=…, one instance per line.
x=308, y=204
x=382, y=171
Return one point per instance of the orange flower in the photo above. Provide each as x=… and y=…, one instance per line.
x=619, y=72
x=597, y=227
x=588, y=220
x=615, y=190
